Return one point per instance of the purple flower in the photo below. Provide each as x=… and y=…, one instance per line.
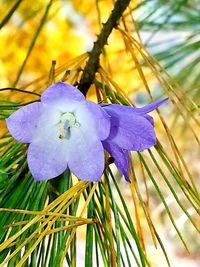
x=64, y=130
x=131, y=129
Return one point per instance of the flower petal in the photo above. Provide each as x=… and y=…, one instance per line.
x=121, y=157
x=131, y=131
x=132, y=128
x=138, y=111
x=61, y=91
x=101, y=119
x=23, y=122
x=150, y=107
x=149, y=118
x=86, y=157
x=47, y=159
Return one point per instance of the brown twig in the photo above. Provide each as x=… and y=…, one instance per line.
x=92, y=64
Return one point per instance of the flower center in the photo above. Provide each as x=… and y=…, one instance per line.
x=67, y=121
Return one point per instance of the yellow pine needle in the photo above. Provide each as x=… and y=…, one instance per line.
x=178, y=154
x=134, y=188
x=70, y=64
x=184, y=181
x=58, y=229
x=83, y=220
x=61, y=199
x=145, y=184
x=184, y=118
x=66, y=227
x=109, y=224
x=64, y=219
x=106, y=83
x=51, y=79
x=108, y=79
x=74, y=229
x=137, y=64
x=32, y=212
x=172, y=142
x=152, y=62
x=62, y=206
x=98, y=95
x=147, y=214
x=137, y=217
x=75, y=76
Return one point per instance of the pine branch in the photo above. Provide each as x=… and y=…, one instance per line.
x=93, y=61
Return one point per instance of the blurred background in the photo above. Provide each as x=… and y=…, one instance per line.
x=162, y=59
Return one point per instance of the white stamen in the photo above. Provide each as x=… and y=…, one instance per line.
x=67, y=121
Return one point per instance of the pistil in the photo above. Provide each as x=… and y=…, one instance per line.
x=67, y=121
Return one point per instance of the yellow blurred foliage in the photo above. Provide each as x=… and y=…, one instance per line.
x=69, y=31
x=59, y=40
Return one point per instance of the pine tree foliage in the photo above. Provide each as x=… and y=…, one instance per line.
x=41, y=222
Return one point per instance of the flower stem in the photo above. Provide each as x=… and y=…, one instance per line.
x=93, y=61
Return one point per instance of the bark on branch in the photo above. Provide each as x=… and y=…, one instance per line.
x=92, y=64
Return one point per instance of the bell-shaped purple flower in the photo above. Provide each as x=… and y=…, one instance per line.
x=131, y=129
x=64, y=130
